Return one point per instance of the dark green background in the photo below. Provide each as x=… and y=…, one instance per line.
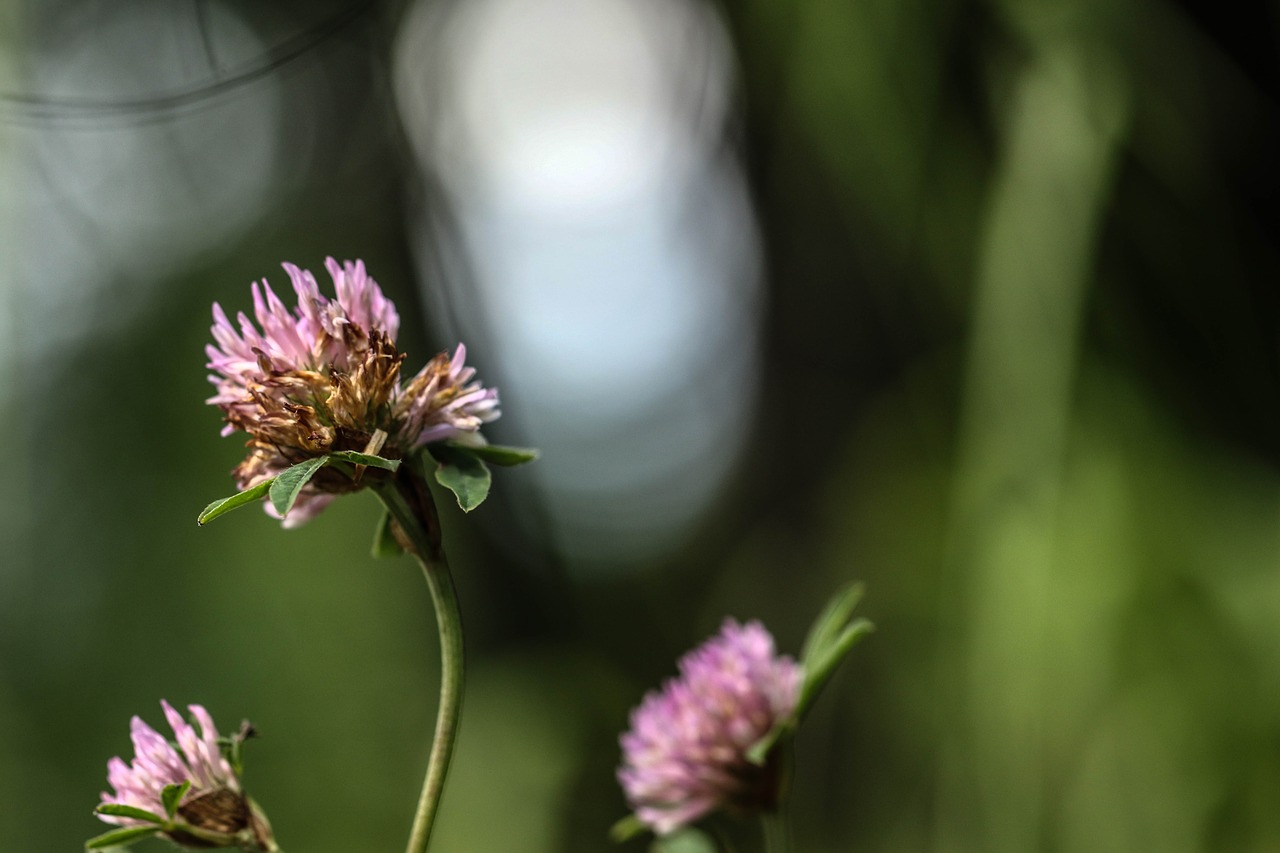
x=1020, y=339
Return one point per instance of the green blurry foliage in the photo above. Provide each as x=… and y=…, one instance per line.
x=1153, y=719
x=1024, y=305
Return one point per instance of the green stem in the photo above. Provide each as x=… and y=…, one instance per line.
x=417, y=530
x=777, y=835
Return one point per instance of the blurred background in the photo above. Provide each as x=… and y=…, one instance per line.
x=973, y=300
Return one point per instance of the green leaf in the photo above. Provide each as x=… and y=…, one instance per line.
x=829, y=640
x=121, y=837
x=222, y=506
x=172, y=795
x=832, y=618
x=687, y=840
x=121, y=810
x=758, y=752
x=284, y=491
x=461, y=472
x=499, y=455
x=627, y=828
x=384, y=542
x=818, y=671
x=366, y=459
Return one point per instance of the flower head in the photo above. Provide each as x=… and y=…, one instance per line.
x=686, y=752
x=326, y=377
x=214, y=804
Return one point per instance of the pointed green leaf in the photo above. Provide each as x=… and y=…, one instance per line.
x=500, y=455
x=818, y=671
x=758, y=752
x=687, y=840
x=829, y=640
x=121, y=837
x=284, y=491
x=461, y=472
x=121, y=810
x=625, y=829
x=222, y=506
x=172, y=795
x=365, y=459
x=832, y=619
x=384, y=542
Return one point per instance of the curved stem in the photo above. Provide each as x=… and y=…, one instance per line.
x=417, y=530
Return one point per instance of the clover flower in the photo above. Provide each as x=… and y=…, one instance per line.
x=325, y=377
x=686, y=752
x=212, y=810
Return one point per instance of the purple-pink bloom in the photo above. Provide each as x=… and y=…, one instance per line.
x=214, y=804
x=325, y=376
x=157, y=764
x=686, y=752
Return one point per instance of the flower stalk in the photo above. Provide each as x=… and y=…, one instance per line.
x=416, y=528
x=777, y=833
x=319, y=392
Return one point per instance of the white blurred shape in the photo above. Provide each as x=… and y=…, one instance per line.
x=614, y=254
x=103, y=198
x=107, y=200
x=561, y=104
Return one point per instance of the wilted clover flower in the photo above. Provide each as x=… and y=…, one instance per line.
x=212, y=811
x=325, y=377
x=686, y=752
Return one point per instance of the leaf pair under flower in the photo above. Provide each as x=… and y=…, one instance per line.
x=283, y=489
x=171, y=796
x=459, y=468
x=253, y=835
x=462, y=470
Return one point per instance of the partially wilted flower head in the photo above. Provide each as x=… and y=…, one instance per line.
x=326, y=377
x=686, y=752
x=214, y=806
